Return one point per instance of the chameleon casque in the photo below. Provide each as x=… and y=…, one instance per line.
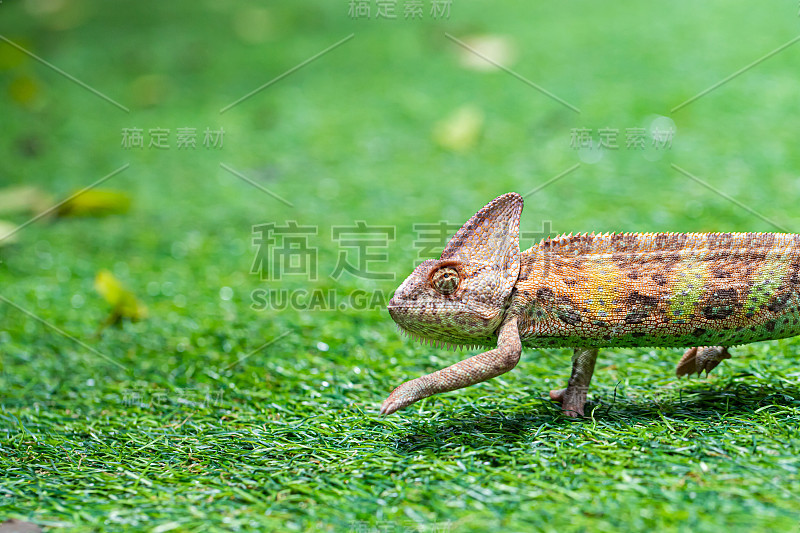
x=707, y=291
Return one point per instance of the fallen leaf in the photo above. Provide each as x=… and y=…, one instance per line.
x=24, y=199
x=123, y=302
x=7, y=233
x=498, y=48
x=95, y=203
x=461, y=130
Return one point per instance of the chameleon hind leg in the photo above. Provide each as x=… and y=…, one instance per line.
x=700, y=358
x=573, y=398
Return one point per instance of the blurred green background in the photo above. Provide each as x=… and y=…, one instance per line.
x=397, y=125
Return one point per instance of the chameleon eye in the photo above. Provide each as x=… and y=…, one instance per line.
x=445, y=280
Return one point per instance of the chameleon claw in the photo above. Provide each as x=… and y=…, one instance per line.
x=571, y=401
x=403, y=396
x=688, y=363
x=713, y=356
x=557, y=395
x=700, y=358
x=573, y=398
x=390, y=405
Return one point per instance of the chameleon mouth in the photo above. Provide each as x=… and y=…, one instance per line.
x=437, y=343
x=407, y=326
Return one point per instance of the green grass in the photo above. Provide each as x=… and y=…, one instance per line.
x=289, y=437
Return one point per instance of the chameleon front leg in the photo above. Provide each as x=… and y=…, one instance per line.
x=573, y=398
x=477, y=368
x=700, y=358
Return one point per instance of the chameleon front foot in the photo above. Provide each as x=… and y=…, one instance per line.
x=572, y=400
x=401, y=397
x=468, y=372
x=700, y=358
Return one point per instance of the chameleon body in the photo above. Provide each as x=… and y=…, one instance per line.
x=706, y=291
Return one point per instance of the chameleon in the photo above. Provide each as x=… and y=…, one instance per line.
x=704, y=291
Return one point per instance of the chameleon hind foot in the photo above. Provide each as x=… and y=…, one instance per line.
x=573, y=398
x=700, y=358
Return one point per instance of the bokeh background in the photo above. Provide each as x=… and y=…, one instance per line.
x=171, y=413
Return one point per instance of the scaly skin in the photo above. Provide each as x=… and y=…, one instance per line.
x=712, y=290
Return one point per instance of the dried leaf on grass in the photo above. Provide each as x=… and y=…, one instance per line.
x=24, y=199
x=124, y=303
x=461, y=130
x=7, y=233
x=95, y=203
x=500, y=49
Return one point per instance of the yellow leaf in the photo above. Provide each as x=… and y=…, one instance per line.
x=123, y=302
x=460, y=131
x=95, y=203
x=500, y=49
x=7, y=235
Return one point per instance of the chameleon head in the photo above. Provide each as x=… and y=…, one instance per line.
x=461, y=298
